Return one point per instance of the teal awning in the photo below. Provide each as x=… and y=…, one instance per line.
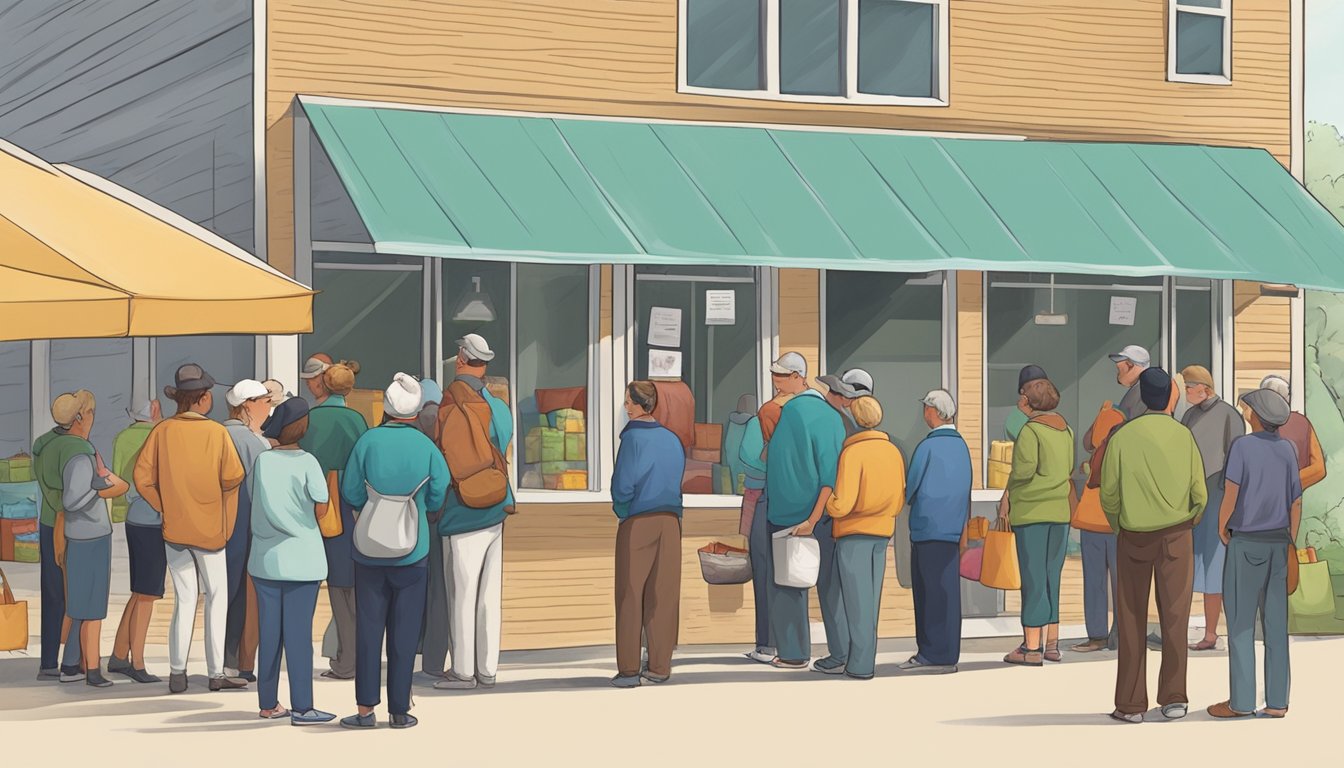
x=540, y=189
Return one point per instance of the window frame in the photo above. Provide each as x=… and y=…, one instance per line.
x=1224, y=11
x=850, y=58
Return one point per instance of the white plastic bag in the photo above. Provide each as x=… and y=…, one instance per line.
x=797, y=559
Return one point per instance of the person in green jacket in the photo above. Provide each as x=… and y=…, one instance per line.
x=1037, y=503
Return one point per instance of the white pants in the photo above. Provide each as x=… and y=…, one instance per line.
x=184, y=565
x=473, y=565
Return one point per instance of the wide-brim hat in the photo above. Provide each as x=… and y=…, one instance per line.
x=190, y=378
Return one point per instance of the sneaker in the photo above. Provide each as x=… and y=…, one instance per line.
x=118, y=666
x=828, y=666
x=142, y=676
x=311, y=717
x=1127, y=717
x=1024, y=656
x=652, y=678
x=455, y=682
x=358, y=721
x=626, y=681
x=71, y=674
x=177, y=682
x=274, y=714
x=49, y=674
x=95, y=678
x=853, y=676
x=1154, y=641
x=914, y=666
x=223, y=683
x=1175, y=711
x=762, y=655
x=1090, y=646
x=330, y=674
x=404, y=721
x=485, y=681
x=779, y=663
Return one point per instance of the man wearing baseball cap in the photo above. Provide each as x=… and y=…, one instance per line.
x=190, y=474
x=1130, y=363
x=843, y=389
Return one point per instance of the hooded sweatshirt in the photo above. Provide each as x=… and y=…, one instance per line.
x=1038, y=486
x=802, y=457
x=51, y=452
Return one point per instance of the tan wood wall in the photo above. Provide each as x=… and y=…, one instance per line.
x=1262, y=336
x=799, y=310
x=970, y=332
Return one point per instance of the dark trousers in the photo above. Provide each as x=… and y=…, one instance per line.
x=828, y=593
x=937, y=594
x=1168, y=555
x=235, y=559
x=391, y=602
x=648, y=590
x=53, y=598
x=285, y=623
x=762, y=573
x=434, y=638
x=789, y=622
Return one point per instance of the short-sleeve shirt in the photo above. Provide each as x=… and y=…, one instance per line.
x=1264, y=467
x=286, y=542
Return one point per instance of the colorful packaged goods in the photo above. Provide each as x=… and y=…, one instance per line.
x=573, y=480
x=26, y=548
x=708, y=455
x=16, y=469
x=576, y=446
x=567, y=420
x=543, y=444
x=708, y=436
x=1000, y=464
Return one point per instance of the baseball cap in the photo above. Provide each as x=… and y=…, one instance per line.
x=245, y=390
x=314, y=367
x=1197, y=374
x=189, y=378
x=941, y=401
x=476, y=347
x=853, y=383
x=1029, y=374
x=1134, y=354
x=1269, y=407
x=789, y=363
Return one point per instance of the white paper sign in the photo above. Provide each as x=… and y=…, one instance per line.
x=664, y=364
x=721, y=307
x=1123, y=310
x=664, y=327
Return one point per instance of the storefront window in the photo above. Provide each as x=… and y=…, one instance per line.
x=697, y=325
x=1195, y=303
x=369, y=312
x=15, y=398
x=102, y=366
x=890, y=325
x=553, y=339
x=226, y=358
x=1069, y=336
x=477, y=298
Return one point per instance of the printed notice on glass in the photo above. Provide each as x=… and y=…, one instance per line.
x=720, y=307
x=664, y=364
x=1123, y=309
x=664, y=327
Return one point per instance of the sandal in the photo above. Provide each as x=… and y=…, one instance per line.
x=274, y=714
x=1052, y=653
x=1205, y=645
x=1277, y=714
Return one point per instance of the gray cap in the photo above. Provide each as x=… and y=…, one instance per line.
x=314, y=368
x=140, y=409
x=189, y=378
x=476, y=347
x=789, y=363
x=1134, y=354
x=853, y=383
x=941, y=401
x=1277, y=384
x=1269, y=407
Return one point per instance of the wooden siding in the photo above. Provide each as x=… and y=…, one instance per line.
x=1262, y=339
x=799, y=311
x=970, y=366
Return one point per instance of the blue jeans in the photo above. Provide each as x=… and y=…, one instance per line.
x=1099, y=584
x=860, y=564
x=285, y=623
x=833, y=604
x=1256, y=577
x=235, y=557
x=762, y=573
x=934, y=572
x=788, y=615
x=391, y=602
x=53, y=599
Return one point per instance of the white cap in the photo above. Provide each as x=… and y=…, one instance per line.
x=789, y=363
x=245, y=390
x=1134, y=354
x=476, y=348
x=1278, y=385
x=402, y=398
x=314, y=368
x=941, y=401
x=853, y=383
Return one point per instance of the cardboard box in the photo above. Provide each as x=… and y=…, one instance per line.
x=1001, y=450
x=16, y=469
x=561, y=467
x=498, y=386
x=709, y=455
x=559, y=419
x=573, y=480
x=543, y=444
x=10, y=530
x=26, y=548
x=369, y=403
x=708, y=436
x=576, y=446
x=997, y=477
x=532, y=479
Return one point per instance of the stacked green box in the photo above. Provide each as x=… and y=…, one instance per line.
x=4, y=471
x=576, y=446
x=560, y=467
x=543, y=444
x=567, y=420
x=17, y=469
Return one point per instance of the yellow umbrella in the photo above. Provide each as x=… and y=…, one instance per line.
x=83, y=257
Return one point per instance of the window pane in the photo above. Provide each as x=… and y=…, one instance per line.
x=898, y=48
x=723, y=44
x=483, y=310
x=372, y=317
x=1202, y=3
x=1074, y=355
x=15, y=397
x=226, y=358
x=719, y=365
x=552, y=378
x=1194, y=328
x=890, y=325
x=1199, y=44
x=809, y=47
x=102, y=366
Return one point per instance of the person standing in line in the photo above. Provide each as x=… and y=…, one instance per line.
x=1153, y=492
x=939, y=493
x=841, y=392
x=287, y=564
x=58, y=446
x=333, y=429
x=434, y=638
x=1100, y=581
x=473, y=546
x=190, y=474
x=277, y=392
x=1258, y=521
x=801, y=463
x=1298, y=431
x=1215, y=423
x=753, y=523
x=869, y=493
x=1017, y=418
x=249, y=407
x=646, y=497
x=144, y=549
x=395, y=459
x=312, y=377
x=70, y=466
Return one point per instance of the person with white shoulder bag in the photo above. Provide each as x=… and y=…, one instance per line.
x=394, y=477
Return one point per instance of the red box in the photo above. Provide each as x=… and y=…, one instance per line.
x=8, y=530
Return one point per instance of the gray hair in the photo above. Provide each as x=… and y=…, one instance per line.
x=941, y=401
x=1278, y=385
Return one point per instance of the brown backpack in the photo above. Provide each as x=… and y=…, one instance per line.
x=480, y=475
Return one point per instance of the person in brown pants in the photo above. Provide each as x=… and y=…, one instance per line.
x=1153, y=493
x=646, y=496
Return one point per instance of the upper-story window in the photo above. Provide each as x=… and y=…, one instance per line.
x=862, y=51
x=1199, y=41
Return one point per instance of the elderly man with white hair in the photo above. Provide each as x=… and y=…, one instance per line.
x=938, y=490
x=1298, y=431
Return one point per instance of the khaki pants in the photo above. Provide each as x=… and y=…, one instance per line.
x=648, y=590
x=1168, y=555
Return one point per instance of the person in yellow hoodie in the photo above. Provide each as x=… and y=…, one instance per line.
x=869, y=493
x=189, y=472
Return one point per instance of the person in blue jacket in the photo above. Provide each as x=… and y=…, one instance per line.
x=938, y=489
x=646, y=497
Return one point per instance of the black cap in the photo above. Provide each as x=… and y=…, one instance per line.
x=284, y=414
x=1155, y=389
x=1028, y=374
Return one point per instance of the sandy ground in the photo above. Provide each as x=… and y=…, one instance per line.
x=555, y=708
